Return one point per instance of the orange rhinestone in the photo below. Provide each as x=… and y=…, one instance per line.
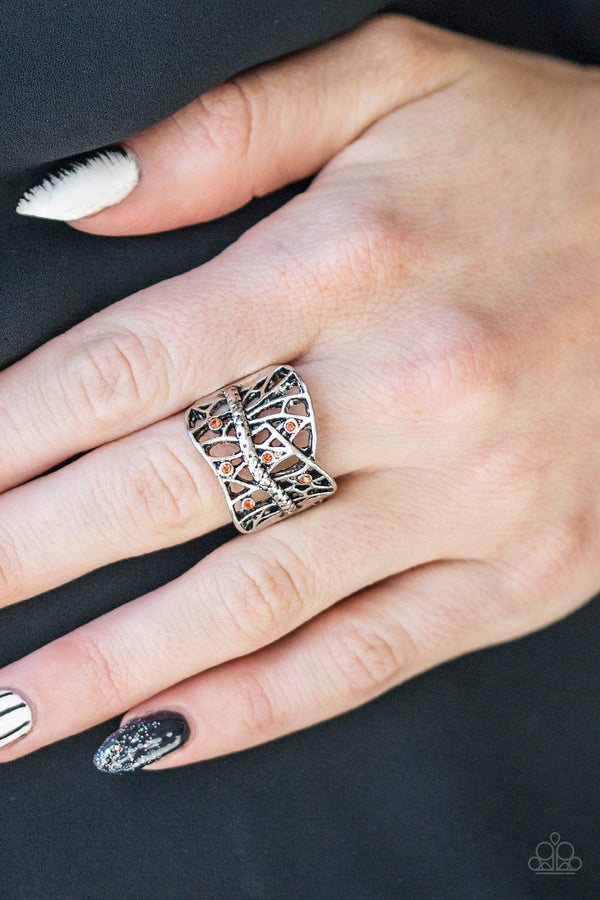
x=226, y=468
x=267, y=457
x=290, y=425
x=248, y=503
x=215, y=424
x=305, y=479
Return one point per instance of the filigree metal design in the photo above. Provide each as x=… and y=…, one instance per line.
x=259, y=435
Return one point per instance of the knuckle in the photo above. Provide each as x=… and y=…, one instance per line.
x=392, y=27
x=12, y=572
x=260, y=597
x=103, y=673
x=108, y=375
x=253, y=705
x=367, y=660
x=401, y=27
x=454, y=368
x=359, y=257
x=551, y=565
x=514, y=464
x=161, y=490
x=393, y=34
x=226, y=116
x=373, y=249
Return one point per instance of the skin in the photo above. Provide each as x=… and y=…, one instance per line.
x=437, y=286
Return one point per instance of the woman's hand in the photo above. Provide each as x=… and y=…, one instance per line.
x=438, y=287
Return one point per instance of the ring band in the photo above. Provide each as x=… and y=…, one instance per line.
x=259, y=435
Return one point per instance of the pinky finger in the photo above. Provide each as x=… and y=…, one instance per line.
x=345, y=657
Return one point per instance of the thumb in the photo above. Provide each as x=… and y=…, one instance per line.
x=260, y=130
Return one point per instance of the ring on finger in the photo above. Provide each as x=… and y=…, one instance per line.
x=259, y=435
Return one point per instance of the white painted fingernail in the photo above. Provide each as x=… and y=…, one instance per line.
x=83, y=188
x=15, y=717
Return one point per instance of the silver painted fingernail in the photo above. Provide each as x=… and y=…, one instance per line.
x=15, y=717
x=142, y=741
x=102, y=179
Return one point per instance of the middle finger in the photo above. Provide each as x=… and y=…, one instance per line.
x=146, y=491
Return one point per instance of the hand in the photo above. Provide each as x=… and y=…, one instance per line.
x=437, y=286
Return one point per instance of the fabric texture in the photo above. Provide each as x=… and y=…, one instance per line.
x=443, y=787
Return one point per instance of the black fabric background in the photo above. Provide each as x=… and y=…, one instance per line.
x=439, y=790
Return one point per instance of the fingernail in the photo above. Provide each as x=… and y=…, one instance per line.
x=142, y=741
x=15, y=717
x=102, y=179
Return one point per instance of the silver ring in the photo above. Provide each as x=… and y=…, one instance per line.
x=259, y=436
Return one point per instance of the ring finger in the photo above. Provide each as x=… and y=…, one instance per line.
x=241, y=597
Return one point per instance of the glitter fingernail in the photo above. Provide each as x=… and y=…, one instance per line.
x=142, y=741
